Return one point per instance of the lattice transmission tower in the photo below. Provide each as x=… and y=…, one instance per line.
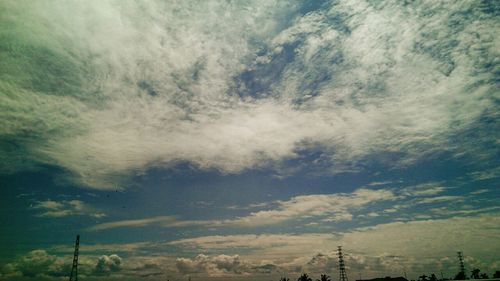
x=461, y=262
x=343, y=274
x=74, y=269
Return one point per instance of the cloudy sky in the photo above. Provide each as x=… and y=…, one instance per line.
x=246, y=140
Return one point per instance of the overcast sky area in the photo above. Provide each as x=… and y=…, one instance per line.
x=246, y=140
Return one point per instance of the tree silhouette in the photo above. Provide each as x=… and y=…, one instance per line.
x=460, y=276
x=484, y=276
x=433, y=277
x=324, y=277
x=475, y=273
x=284, y=279
x=304, y=277
x=423, y=278
x=496, y=274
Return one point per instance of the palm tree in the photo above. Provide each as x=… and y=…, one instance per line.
x=475, y=273
x=304, y=277
x=324, y=277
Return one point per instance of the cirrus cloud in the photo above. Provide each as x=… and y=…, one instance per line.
x=233, y=86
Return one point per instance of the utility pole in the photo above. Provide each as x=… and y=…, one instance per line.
x=74, y=269
x=343, y=274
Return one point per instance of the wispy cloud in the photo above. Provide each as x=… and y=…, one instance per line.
x=439, y=199
x=375, y=249
x=331, y=207
x=65, y=208
x=425, y=189
x=129, y=87
x=104, y=248
x=326, y=210
x=221, y=265
x=335, y=206
x=480, y=191
x=162, y=220
x=485, y=175
x=449, y=211
x=436, y=239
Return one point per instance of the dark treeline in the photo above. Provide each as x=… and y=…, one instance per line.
x=475, y=274
x=305, y=277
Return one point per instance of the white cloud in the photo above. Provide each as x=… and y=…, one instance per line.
x=292, y=244
x=133, y=223
x=102, y=248
x=333, y=207
x=108, y=264
x=164, y=221
x=40, y=264
x=34, y=263
x=418, y=246
x=211, y=265
x=324, y=210
x=223, y=265
x=158, y=84
x=439, y=199
x=65, y=208
x=480, y=191
x=466, y=210
x=377, y=183
x=426, y=189
x=339, y=217
x=444, y=236
x=381, y=249
x=485, y=175
x=390, y=210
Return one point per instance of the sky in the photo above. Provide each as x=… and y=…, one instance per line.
x=246, y=140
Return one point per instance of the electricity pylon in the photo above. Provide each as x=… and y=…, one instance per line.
x=343, y=274
x=461, y=262
x=74, y=269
